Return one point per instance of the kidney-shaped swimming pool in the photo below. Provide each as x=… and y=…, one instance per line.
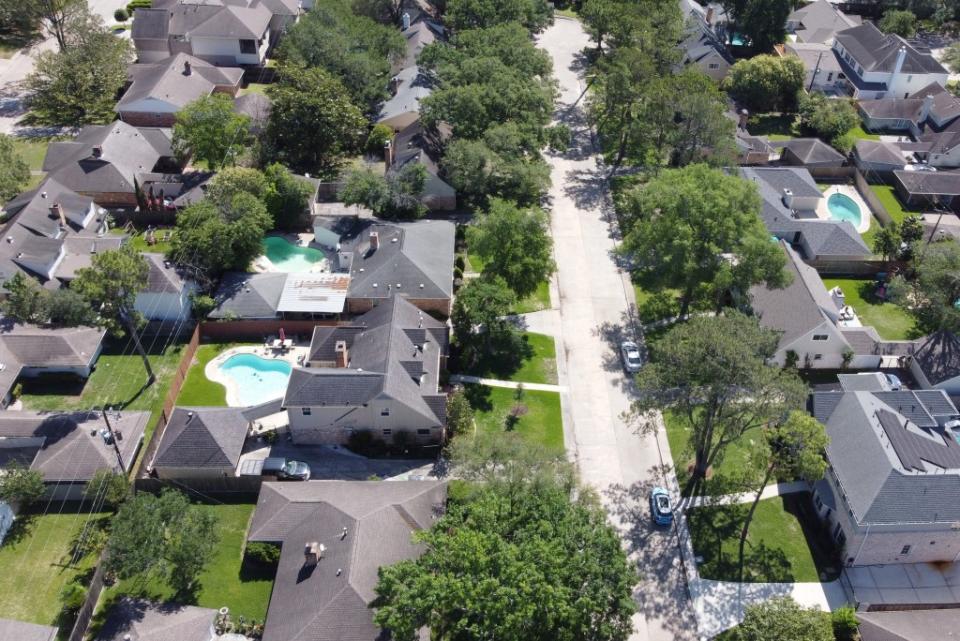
x=256, y=379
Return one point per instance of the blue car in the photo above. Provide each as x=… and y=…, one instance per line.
x=660, y=508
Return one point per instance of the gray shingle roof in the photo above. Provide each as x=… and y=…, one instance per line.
x=878, y=152
x=34, y=346
x=68, y=449
x=212, y=18
x=199, y=437
x=34, y=206
x=319, y=604
x=168, y=82
x=162, y=277
x=819, y=21
x=877, y=51
x=938, y=355
x=412, y=86
x=933, y=183
x=244, y=295
x=22, y=631
x=146, y=621
x=151, y=24
x=813, y=151
x=909, y=625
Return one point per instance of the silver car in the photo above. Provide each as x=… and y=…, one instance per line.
x=630, y=355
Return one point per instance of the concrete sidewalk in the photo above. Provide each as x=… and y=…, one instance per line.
x=492, y=382
x=769, y=492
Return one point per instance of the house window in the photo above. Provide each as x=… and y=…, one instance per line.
x=713, y=65
x=820, y=337
x=387, y=432
x=307, y=411
x=830, y=77
x=909, y=78
x=423, y=432
x=905, y=550
x=385, y=411
x=817, y=357
x=248, y=46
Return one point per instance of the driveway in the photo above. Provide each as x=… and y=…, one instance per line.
x=594, y=299
x=333, y=463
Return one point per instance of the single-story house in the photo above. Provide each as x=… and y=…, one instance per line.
x=878, y=156
x=69, y=448
x=823, y=72
x=810, y=152
x=936, y=362
x=158, y=90
x=46, y=350
x=419, y=31
x=132, y=619
x=334, y=536
x=271, y=295
x=928, y=189
x=201, y=442
x=23, y=631
x=416, y=144
x=380, y=375
x=409, y=87
x=818, y=22
x=894, y=472
x=168, y=292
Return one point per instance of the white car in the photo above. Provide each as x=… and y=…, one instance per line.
x=630, y=355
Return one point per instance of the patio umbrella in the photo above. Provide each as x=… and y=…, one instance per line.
x=282, y=336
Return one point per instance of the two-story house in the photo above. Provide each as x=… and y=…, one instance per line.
x=880, y=65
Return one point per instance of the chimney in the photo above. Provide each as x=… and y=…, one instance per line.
x=186, y=68
x=925, y=109
x=787, y=198
x=374, y=241
x=744, y=117
x=56, y=210
x=312, y=553
x=406, y=20
x=901, y=56
x=342, y=355
x=388, y=154
x=709, y=17
x=97, y=151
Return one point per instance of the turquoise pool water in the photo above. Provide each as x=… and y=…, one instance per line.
x=842, y=207
x=288, y=257
x=257, y=379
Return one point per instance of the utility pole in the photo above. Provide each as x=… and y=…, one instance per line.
x=815, y=71
x=113, y=439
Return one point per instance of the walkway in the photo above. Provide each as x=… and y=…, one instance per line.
x=492, y=382
x=769, y=492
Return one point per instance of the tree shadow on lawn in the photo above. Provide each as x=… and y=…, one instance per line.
x=504, y=360
x=867, y=292
x=479, y=397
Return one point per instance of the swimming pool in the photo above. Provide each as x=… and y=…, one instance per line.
x=288, y=257
x=842, y=207
x=256, y=379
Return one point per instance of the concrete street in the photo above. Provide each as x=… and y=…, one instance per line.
x=594, y=299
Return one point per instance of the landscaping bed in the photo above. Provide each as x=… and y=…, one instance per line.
x=541, y=422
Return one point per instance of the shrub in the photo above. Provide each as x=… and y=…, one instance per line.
x=378, y=138
x=267, y=553
x=201, y=305
x=121, y=15
x=844, y=622
x=133, y=5
x=72, y=597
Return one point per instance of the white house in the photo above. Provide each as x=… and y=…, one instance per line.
x=167, y=296
x=879, y=65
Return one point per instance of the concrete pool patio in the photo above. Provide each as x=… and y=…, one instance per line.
x=866, y=214
x=235, y=396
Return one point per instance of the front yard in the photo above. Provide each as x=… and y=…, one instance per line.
x=891, y=321
x=678, y=435
x=782, y=546
x=35, y=563
x=541, y=422
x=538, y=363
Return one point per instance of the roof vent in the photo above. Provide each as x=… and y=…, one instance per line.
x=312, y=553
x=43, y=194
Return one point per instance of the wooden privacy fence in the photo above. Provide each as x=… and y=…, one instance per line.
x=879, y=211
x=201, y=487
x=257, y=330
x=86, y=611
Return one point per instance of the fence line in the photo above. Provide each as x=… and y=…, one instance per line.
x=257, y=330
x=85, y=614
x=879, y=211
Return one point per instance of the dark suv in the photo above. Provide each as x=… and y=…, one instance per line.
x=286, y=470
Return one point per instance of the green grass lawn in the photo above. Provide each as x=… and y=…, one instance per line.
x=226, y=580
x=538, y=363
x=860, y=133
x=32, y=150
x=678, y=435
x=138, y=240
x=35, y=563
x=198, y=390
x=541, y=423
x=888, y=196
x=535, y=302
x=474, y=263
x=774, y=125
x=891, y=321
x=781, y=543
x=254, y=87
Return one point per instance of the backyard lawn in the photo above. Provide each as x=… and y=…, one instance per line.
x=35, y=563
x=860, y=133
x=541, y=423
x=891, y=321
x=138, y=241
x=226, y=580
x=775, y=126
x=678, y=435
x=781, y=545
x=253, y=87
x=538, y=364
x=32, y=150
x=198, y=390
x=888, y=196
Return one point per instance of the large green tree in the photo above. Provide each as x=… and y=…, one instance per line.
x=21, y=485
x=515, y=245
x=14, y=171
x=762, y=22
x=111, y=285
x=209, y=131
x=767, y=82
x=79, y=84
x=287, y=198
x=899, y=21
x=26, y=301
x=161, y=537
x=698, y=230
x=478, y=173
x=713, y=373
x=827, y=118
x=461, y=15
x=395, y=196
x=933, y=294
x=478, y=320
x=783, y=618
x=313, y=124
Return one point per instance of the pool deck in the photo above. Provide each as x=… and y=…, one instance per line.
x=213, y=372
x=264, y=264
x=851, y=192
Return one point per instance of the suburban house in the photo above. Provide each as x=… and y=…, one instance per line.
x=272, y=295
x=419, y=31
x=876, y=156
x=201, y=442
x=810, y=152
x=334, y=536
x=158, y=90
x=790, y=198
x=68, y=448
x=813, y=335
x=132, y=619
x=823, y=71
x=707, y=53
x=879, y=65
x=231, y=34
x=928, y=189
x=936, y=362
x=818, y=22
x=417, y=145
x=408, y=87
x=907, y=625
x=23, y=631
x=379, y=375
x=168, y=292
x=894, y=472
x=108, y=162
x=709, y=18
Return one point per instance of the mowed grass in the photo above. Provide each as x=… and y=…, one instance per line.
x=888, y=197
x=860, y=133
x=535, y=302
x=781, y=546
x=138, y=240
x=198, y=390
x=735, y=456
x=541, y=423
x=254, y=87
x=226, y=580
x=32, y=150
x=891, y=321
x=538, y=363
x=35, y=562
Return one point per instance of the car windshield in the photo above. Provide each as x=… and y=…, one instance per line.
x=663, y=504
x=290, y=467
x=633, y=357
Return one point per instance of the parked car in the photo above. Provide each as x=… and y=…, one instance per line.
x=630, y=355
x=660, y=508
x=894, y=381
x=281, y=468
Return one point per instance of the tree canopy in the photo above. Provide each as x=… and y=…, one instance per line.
x=478, y=321
x=515, y=245
x=828, y=118
x=699, y=230
x=713, y=373
x=899, y=21
x=14, y=171
x=20, y=485
x=767, y=82
x=209, y=131
x=313, y=123
x=761, y=22
x=932, y=296
x=111, y=284
x=783, y=618
x=28, y=302
x=461, y=15
x=395, y=196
